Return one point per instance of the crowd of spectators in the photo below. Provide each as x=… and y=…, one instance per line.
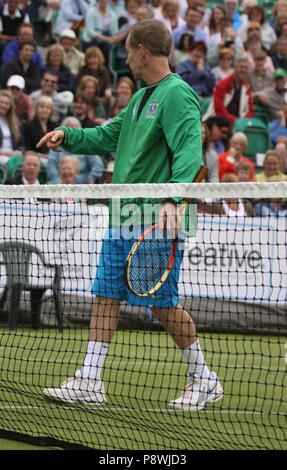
x=63, y=62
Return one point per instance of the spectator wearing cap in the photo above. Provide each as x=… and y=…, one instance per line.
x=232, y=13
x=273, y=96
x=22, y=101
x=192, y=19
x=195, y=72
x=10, y=19
x=73, y=58
x=232, y=97
x=49, y=87
x=279, y=57
x=11, y=50
x=23, y=66
x=259, y=78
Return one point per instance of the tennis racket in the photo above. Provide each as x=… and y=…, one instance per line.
x=152, y=256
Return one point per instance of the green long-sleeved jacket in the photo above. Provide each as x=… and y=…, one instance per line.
x=160, y=143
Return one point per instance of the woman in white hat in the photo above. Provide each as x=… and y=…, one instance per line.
x=22, y=101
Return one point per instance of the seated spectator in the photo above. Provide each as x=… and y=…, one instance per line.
x=267, y=34
x=235, y=207
x=230, y=41
x=220, y=132
x=95, y=67
x=184, y=48
x=278, y=127
x=279, y=9
x=279, y=57
x=224, y=69
x=191, y=26
x=232, y=97
x=40, y=125
x=42, y=14
x=128, y=17
x=231, y=207
x=90, y=166
x=215, y=31
x=271, y=167
x=89, y=87
x=68, y=169
x=30, y=170
x=101, y=24
x=243, y=172
x=109, y=172
x=80, y=109
x=228, y=160
x=273, y=96
x=22, y=101
x=271, y=207
x=232, y=13
x=195, y=72
x=209, y=156
x=11, y=17
x=23, y=66
x=253, y=46
x=73, y=58
x=125, y=89
x=169, y=15
x=49, y=86
x=11, y=50
x=258, y=78
x=55, y=63
x=118, y=105
x=10, y=133
x=71, y=14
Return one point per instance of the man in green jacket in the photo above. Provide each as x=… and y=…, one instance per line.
x=157, y=139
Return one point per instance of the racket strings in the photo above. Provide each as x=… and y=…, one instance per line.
x=149, y=263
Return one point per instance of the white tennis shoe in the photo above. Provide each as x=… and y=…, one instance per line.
x=77, y=389
x=198, y=393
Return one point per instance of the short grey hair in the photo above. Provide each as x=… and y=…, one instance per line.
x=71, y=120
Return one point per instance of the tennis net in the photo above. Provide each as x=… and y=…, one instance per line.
x=232, y=282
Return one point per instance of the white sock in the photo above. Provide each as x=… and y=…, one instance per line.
x=94, y=360
x=195, y=360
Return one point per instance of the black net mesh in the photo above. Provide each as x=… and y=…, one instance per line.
x=232, y=282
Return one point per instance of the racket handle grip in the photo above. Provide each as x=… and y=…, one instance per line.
x=201, y=174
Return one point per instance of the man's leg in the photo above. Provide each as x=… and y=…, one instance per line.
x=104, y=322
x=204, y=385
x=86, y=385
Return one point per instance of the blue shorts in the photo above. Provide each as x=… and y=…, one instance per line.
x=110, y=276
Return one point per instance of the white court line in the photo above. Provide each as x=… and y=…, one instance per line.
x=90, y=407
